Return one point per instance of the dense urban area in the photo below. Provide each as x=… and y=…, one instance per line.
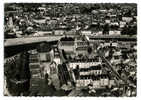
x=70, y=49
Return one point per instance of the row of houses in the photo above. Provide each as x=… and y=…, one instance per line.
x=89, y=72
x=97, y=82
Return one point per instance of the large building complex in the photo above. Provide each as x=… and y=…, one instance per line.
x=70, y=49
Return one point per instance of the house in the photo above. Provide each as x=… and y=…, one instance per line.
x=114, y=23
x=114, y=44
x=81, y=50
x=116, y=59
x=70, y=33
x=122, y=24
x=107, y=21
x=53, y=68
x=97, y=82
x=114, y=32
x=74, y=64
x=86, y=32
x=96, y=32
x=127, y=19
x=81, y=44
x=92, y=70
x=103, y=11
x=58, y=32
x=57, y=59
x=67, y=46
x=43, y=33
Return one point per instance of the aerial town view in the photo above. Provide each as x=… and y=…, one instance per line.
x=70, y=49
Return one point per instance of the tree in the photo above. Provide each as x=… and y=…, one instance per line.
x=80, y=55
x=106, y=28
x=64, y=54
x=89, y=50
x=128, y=30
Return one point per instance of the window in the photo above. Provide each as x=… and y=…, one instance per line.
x=116, y=57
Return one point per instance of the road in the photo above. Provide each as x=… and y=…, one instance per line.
x=112, y=69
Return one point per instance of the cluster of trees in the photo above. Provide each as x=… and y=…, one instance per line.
x=129, y=30
x=106, y=28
